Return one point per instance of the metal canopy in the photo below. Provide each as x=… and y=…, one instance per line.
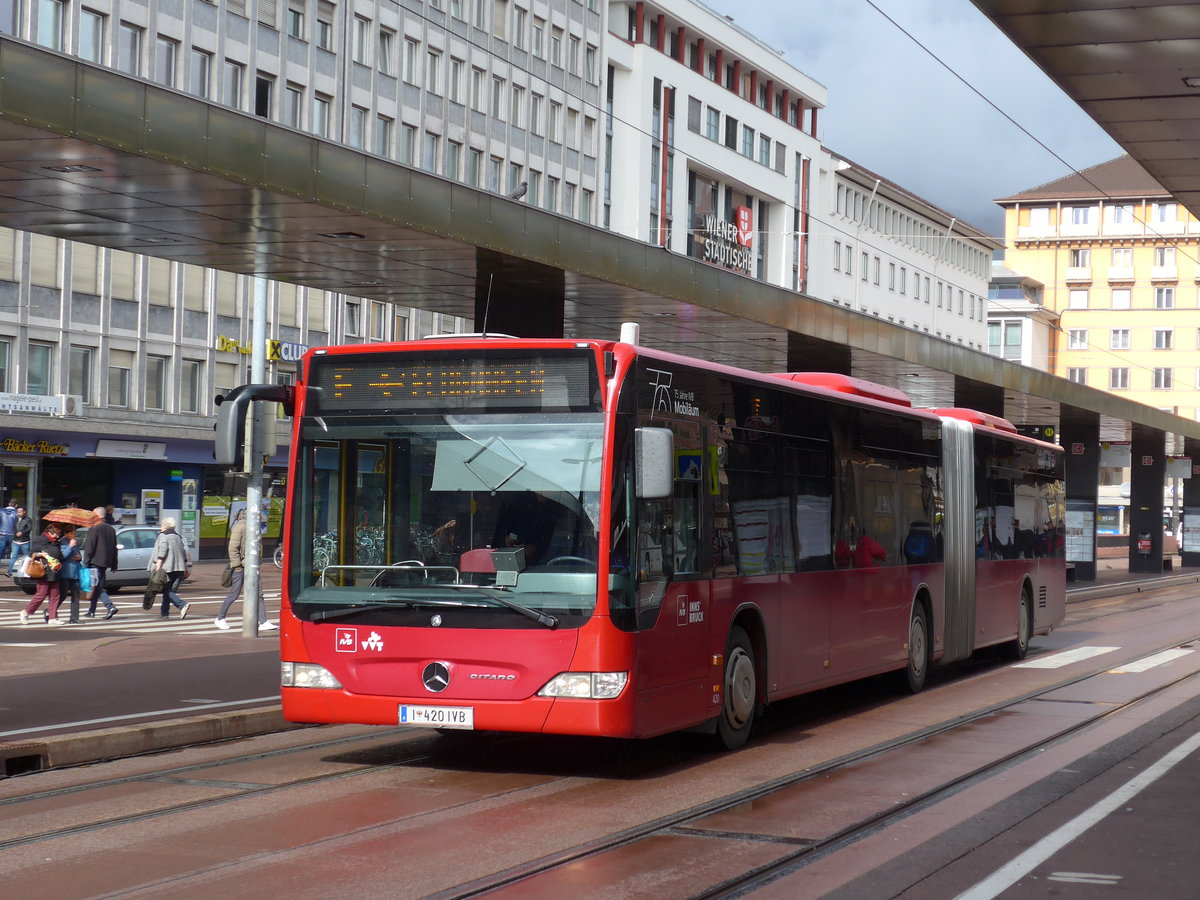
x=93, y=155
x=1128, y=64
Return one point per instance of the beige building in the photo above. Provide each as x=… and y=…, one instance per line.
x=1117, y=258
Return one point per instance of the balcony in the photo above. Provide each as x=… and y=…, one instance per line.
x=1121, y=273
x=1164, y=273
x=1079, y=273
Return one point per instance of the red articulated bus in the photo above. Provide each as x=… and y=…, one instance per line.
x=591, y=537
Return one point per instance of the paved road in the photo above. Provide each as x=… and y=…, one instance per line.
x=134, y=667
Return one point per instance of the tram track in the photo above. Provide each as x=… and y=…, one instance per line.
x=809, y=851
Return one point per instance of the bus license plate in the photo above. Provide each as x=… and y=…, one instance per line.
x=438, y=716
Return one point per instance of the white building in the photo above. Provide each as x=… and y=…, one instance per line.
x=886, y=252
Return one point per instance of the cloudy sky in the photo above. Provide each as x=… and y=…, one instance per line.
x=896, y=110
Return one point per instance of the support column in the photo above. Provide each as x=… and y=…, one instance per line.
x=1148, y=468
x=1190, y=555
x=976, y=395
x=810, y=354
x=518, y=297
x=1079, y=432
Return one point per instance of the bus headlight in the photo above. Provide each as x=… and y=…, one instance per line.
x=307, y=675
x=586, y=685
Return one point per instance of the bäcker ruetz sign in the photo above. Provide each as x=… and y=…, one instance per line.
x=728, y=244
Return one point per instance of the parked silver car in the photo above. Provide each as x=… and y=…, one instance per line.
x=135, y=543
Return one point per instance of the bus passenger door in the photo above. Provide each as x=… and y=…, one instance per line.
x=674, y=603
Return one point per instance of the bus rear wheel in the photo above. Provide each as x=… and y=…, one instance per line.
x=740, y=691
x=1018, y=648
x=917, y=669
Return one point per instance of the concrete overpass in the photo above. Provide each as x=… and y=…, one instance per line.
x=93, y=155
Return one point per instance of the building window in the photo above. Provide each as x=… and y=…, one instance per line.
x=430, y=147
x=1118, y=379
x=1164, y=212
x=165, y=53
x=474, y=167
x=5, y=355
x=712, y=126
x=1080, y=215
x=129, y=49
x=383, y=136
x=865, y=262
x=498, y=98
x=120, y=367
x=1077, y=299
x=1164, y=298
x=411, y=50
x=1164, y=257
x=189, y=386
x=156, y=382
x=362, y=39
x=233, y=84
x=1164, y=338
x=321, y=115
x=764, y=150
x=1118, y=214
x=1077, y=375
x=358, y=128
x=748, y=142
x=50, y=24
x=477, y=99
x=91, y=36
x=385, y=51
x=408, y=144
x=199, y=72
x=433, y=68
x=324, y=35
x=295, y=22
x=453, y=159
x=293, y=106
x=1122, y=257
x=1119, y=339
x=1077, y=339
x=1120, y=298
x=1162, y=379
x=79, y=373
x=837, y=256
x=1081, y=259
x=454, y=84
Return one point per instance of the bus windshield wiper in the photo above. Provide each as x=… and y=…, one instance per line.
x=326, y=614
x=537, y=615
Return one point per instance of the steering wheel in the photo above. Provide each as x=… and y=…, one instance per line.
x=570, y=561
x=375, y=582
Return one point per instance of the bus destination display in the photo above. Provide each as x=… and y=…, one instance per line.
x=549, y=382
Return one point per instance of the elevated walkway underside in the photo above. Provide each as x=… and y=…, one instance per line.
x=93, y=155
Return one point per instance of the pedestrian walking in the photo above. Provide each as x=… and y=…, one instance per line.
x=22, y=532
x=171, y=556
x=8, y=522
x=68, y=576
x=237, y=565
x=45, y=549
x=101, y=555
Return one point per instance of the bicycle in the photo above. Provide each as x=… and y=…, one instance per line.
x=279, y=556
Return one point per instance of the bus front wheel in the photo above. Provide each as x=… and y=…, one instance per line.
x=740, y=690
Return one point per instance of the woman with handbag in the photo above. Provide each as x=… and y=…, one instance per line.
x=170, y=555
x=46, y=555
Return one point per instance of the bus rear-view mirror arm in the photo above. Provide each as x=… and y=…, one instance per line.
x=231, y=416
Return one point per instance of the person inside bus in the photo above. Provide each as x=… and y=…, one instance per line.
x=528, y=521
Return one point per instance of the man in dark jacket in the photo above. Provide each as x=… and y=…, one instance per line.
x=100, y=554
x=22, y=530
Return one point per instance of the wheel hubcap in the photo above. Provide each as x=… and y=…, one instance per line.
x=739, y=688
x=916, y=647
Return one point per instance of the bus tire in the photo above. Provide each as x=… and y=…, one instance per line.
x=739, y=691
x=1018, y=648
x=917, y=669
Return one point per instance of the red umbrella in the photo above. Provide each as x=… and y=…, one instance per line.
x=72, y=516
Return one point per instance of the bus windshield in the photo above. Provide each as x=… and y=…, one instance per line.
x=494, y=513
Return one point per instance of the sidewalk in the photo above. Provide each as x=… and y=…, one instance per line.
x=1113, y=577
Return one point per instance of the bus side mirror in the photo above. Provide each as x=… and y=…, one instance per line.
x=231, y=417
x=654, y=462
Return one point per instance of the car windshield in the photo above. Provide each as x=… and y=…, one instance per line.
x=481, y=512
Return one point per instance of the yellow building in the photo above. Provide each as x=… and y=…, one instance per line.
x=1118, y=260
